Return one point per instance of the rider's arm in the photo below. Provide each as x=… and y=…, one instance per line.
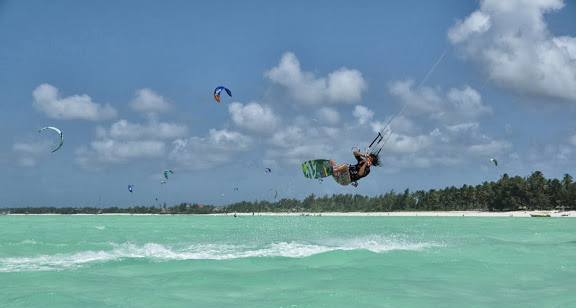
x=356, y=153
x=361, y=171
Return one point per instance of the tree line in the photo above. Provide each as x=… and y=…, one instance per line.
x=534, y=192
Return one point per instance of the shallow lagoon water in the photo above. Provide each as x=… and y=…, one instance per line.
x=286, y=261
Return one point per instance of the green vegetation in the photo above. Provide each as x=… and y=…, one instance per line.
x=183, y=208
x=509, y=193
x=532, y=193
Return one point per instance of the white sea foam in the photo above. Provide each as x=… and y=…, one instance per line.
x=164, y=252
x=53, y=262
x=31, y=241
x=379, y=244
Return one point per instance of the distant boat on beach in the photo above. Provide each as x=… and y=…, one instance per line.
x=540, y=215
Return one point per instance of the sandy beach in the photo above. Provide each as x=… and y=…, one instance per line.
x=423, y=214
x=399, y=214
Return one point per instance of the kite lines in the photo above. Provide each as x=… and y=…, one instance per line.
x=375, y=147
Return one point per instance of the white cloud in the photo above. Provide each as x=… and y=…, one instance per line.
x=463, y=127
x=295, y=144
x=253, y=117
x=28, y=153
x=552, y=159
x=289, y=136
x=29, y=148
x=452, y=146
x=572, y=140
x=457, y=106
x=421, y=100
x=345, y=85
x=146, y=100
x=125, y=141
x=451, y=138
x=462, y=104
x=48, y=101
x=433, y=148
x=298, y=154
x=118, y=151
x=400, y=124
x=133, y=131
x=108, y=151
x=219, y=147
x=477, y=23
x=363, y=114
x=341, y=86
x=421, y=160
x=491, y=147
x=410, y=144
x=27, y=161
x=511, y=42
x=438, y=128
x=328, y=116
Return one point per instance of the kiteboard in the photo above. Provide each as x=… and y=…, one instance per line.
x=317, y=168
x=342, y=178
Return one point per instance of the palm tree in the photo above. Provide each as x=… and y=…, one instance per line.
x=567, y=180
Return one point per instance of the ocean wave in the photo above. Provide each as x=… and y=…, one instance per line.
x=167, y=252
x=379, y=243
x=53, y=262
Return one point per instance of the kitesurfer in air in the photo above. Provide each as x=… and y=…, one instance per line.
x=359, y=170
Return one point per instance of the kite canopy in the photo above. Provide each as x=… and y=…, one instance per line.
x=218, y=90
x=494, y=161
x=320, y=181
x=59, y=133
x=166, y=173
x=267, y=170
x=276, y=192
x=130, y=187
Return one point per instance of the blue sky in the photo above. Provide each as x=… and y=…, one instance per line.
x=130, y=84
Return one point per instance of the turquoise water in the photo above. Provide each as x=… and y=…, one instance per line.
x=263, y=261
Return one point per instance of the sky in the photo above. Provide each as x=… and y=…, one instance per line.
x=130, y=84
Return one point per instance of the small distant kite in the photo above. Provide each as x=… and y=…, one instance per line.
x=276, y=192
x=416, y=200
x=130, y=187
x=494, y=161
x=59, y=133
x=267, y=170
x=162, y=182
x=218, y=90
x=320, y=181
x=235, y=188
x=166, y=173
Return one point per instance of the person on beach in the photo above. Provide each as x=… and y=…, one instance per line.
x=361, y=169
